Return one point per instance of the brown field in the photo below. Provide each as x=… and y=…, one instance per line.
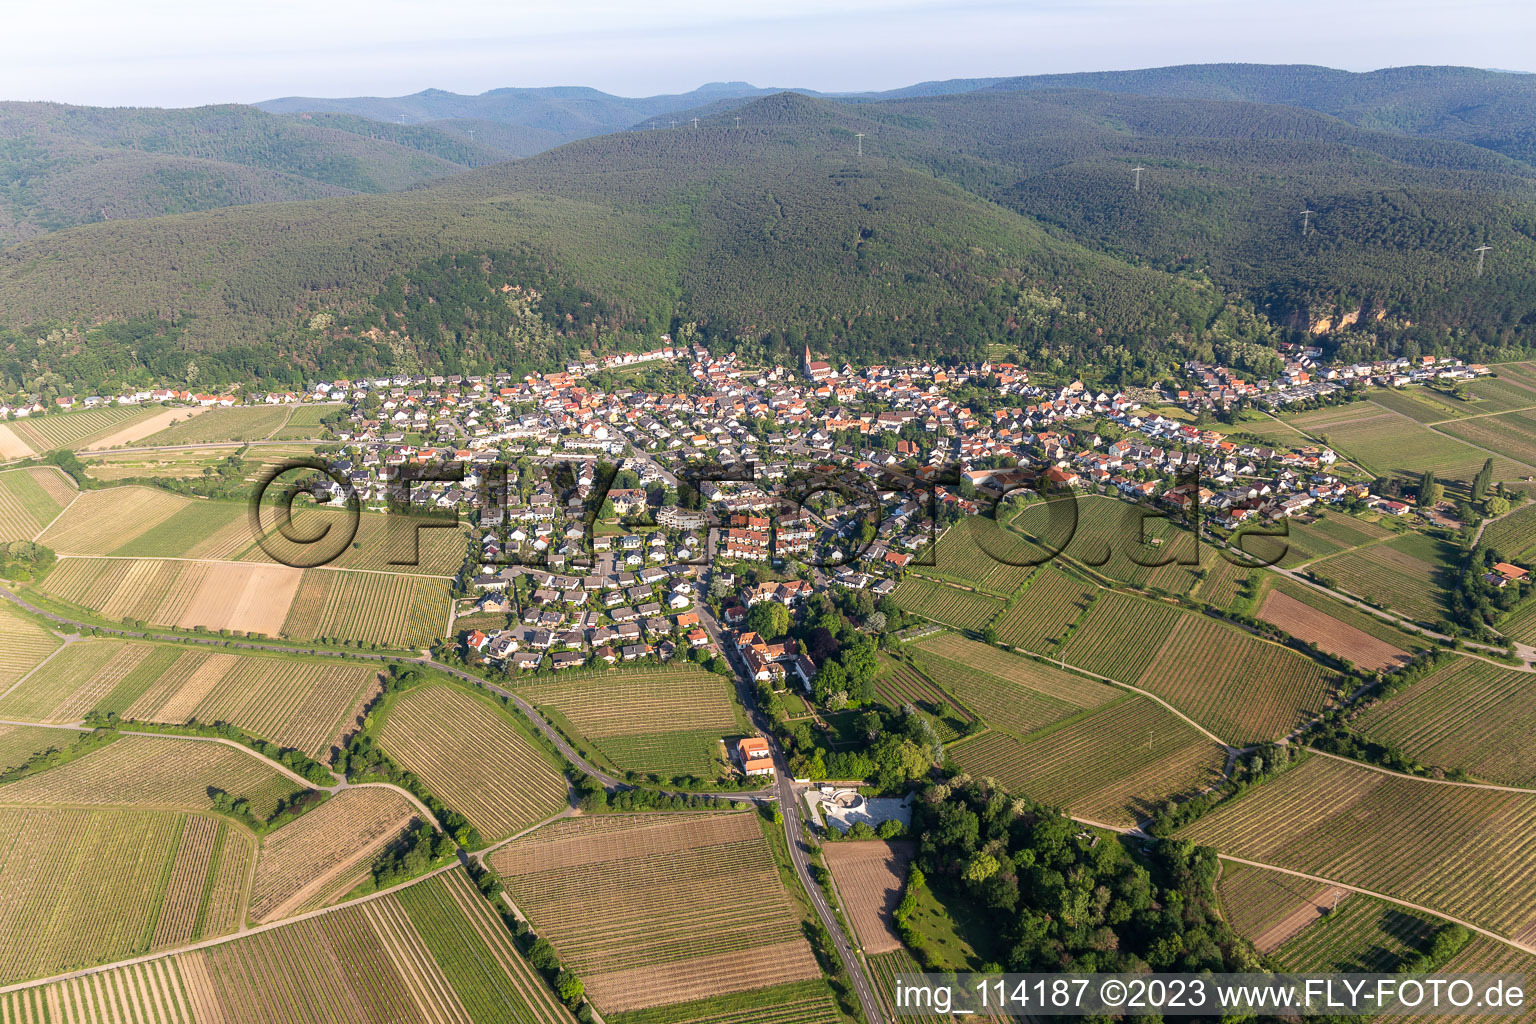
x=289, y=702
x=140, y=429
x=144, y=993
x=652, y=909
x=157, y=772
x=1337, y=638
x=12, y=446
x=473, y=759
x=870, y=876
x=174, y=592
x=98, y=522
x=311, y=862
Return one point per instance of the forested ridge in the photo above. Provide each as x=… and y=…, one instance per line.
x=994, y=220
x=61, y=165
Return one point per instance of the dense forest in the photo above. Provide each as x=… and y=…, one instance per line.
x=990, y=221
x=61, y=166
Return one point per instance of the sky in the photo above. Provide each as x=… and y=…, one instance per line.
x=191, y=52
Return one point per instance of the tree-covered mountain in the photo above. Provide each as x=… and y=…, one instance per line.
x=555, y=114
x=61, y=166
x=1492, y=109
x=993, y=220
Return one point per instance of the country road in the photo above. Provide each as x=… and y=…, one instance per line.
x=789, y=805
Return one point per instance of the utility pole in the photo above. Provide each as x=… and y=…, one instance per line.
x=674, y=122
x=1306, y=220
x=695, y=124
x=1138, y=171
x=860, y=137
x=1481, y=251
x=738, y=122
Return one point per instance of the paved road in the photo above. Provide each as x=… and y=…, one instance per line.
x=790, y=805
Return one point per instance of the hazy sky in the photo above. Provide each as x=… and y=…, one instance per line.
x=187, y=52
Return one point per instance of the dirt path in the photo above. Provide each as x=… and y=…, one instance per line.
x=1291, y=924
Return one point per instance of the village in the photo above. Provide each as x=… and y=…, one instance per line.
x=608, y=570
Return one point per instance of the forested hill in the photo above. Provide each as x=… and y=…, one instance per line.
x=992, y=218
x=1493, y=109
x=770, y=236
x=61, y=166
x=555, y=114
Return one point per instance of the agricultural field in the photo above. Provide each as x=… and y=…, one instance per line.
x=23, y=646
x=1244, y=689
x=85, y=676
x=1313, y=625
x=89, y=885
x=883, y=970
x=1326, y=533
x=870, y=876
x=1521, y=625
x=144, y=993
x=1011, y=693
x=292, y=702
x=19, y=742
x=1408, y=575
x=1468, y=714
x=433, y=952
x=1114, y=766
x=1484, y=956
x=157, y=773
x=799, y=1002
x=38, y=434
x=962, y=609
x=390, y=609
x=185, y=594
x=1421, y=404
x=1514, y=534
x=1268, y=907
x=1038, y=618
x=1455, y=849
x=304, y=422
x=1355, y=618
x=470, y=755
x=322, y=855
x=1117, y=539
x=99, y=522
x=983, y=555
x=669, y=719
x=1512, y=434
x=240, y=423
x=900, y=684
x=1386, y=442
x=30, y=499
x=199, y=529
x=652, y=909
x=1222, y=583
x=384, y=542
x=1120, y=636
x=1362, y=934
x=115, y=466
